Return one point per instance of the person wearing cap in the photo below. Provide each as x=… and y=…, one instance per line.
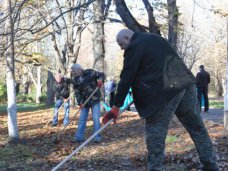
x=202, y=81
x=61, y=89
x=85, y=83
x=161, y=85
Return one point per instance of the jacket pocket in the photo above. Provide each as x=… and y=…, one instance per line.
x=176, y=75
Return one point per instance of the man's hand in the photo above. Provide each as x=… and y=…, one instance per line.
x=99, y=83
x=81, y=106
x=112, y=114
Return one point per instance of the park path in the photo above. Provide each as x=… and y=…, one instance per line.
x=215, y=115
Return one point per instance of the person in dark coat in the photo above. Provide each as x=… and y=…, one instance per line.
x=161, y=85
x=61, y=89
x=85, y=83
x=202, y=81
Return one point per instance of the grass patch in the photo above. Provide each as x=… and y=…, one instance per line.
x=23, y=107
x=171, y=139
x=216, y=104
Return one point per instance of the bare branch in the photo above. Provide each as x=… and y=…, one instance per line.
x=153, y=26
x=127, y=17
x=60, y=15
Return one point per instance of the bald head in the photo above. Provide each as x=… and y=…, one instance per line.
x=123, y=38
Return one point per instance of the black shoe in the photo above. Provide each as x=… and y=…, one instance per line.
x=76, y=141
x=96, y=141
x=54, y=125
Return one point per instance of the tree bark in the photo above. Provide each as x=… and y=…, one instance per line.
x=10, y=77
x=75, y=43
x=25, y=80
x=226, y=94
x=226, y=99
x=98, y=36
x=59, y=62
x=173, y=21
x=153, y=27
x=38, y=85
x=50, y=92
x=98, y=40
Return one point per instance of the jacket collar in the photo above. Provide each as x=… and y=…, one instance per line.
x=133, y=38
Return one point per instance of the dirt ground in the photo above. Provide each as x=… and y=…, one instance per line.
x=122, y=147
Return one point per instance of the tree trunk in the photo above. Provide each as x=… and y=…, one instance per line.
x=10, y=78
x=226, y=94
x=153, y=27
x=173, y=21
x=50, y=92
x=38, y=85
x=25, y=80
x=59, y=62
x=74, y=40
x=26, y=87
x=77, y=40
x=218, y=83
x=226, y=99
x=98, y=36
x=98, y=39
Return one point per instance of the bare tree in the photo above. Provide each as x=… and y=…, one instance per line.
x=98, y=35
x=187, y=47
x=215, y=62
x=173, y=23
x=10, y=77
x=131, y=22
x=50, y=92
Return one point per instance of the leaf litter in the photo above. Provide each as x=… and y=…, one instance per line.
x=122, y=147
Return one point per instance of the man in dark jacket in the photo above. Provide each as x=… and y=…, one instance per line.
x=85, y=82
x=161, y=85
x=202, y=81
x=61, y=89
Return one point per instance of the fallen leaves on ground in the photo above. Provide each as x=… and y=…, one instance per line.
x=122, y=147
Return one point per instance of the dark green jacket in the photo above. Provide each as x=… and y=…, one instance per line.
x=62, y=89
x=154, y=71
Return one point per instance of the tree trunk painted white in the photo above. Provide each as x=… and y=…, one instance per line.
x=226, y=94
x=12, y=108
x=10, y=79
x=38, y=85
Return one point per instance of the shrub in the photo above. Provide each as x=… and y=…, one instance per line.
x=43, y=98
x=22, y=98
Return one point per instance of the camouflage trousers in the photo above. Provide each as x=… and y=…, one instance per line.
x=186, y=108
